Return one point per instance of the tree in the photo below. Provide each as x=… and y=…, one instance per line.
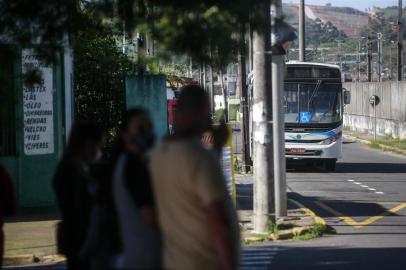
x=99, y=71
x=203, y=29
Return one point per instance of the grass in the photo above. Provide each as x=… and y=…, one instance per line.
x=315, y=231
x=395, y=143
x=374, y=145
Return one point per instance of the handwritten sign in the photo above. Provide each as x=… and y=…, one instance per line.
x=38, y=108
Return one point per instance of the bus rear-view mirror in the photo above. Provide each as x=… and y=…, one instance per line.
x=347, y=97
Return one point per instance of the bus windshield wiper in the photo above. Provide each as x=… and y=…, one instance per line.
x=316, y=89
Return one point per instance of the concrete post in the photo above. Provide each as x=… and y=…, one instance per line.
x=242, y=84
x=278, y=70
x=302, y=40
x=68, y=86
x=400, y=40
x=262, y=124
x=211, y=89
x=369, y=56
x=379, y=57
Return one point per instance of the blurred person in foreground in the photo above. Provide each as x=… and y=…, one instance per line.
x=7, y=204
x=135, y=206
x=71, y=185
x=196, y=215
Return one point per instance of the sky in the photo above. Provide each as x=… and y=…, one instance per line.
x=358, y=4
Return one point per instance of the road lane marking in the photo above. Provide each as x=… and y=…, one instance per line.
x=365, y=186
x=361, y=224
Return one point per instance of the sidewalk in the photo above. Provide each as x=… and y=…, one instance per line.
x=300, y=224
x=30, y=236
x=384, y=143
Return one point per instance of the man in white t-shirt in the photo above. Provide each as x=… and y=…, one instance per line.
x=197, y=218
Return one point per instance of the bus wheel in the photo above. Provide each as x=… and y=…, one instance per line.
x=330, y=165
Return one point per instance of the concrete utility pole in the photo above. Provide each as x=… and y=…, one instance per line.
x=278, y=70
x=211, y=89
x=262, y=123
x=190, y=67
x=369, y=56
x=302, y=40
x=379, y=35
x=359, y=60
x=400, y=40
x=224, y=91
x=242, y=84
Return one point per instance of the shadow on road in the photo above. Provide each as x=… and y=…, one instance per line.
x=346, y=208
x=344, y=167
x=327, y=258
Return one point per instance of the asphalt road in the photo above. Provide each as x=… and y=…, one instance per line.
x=364, y=201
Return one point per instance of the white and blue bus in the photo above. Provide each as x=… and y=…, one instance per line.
x=314, y=102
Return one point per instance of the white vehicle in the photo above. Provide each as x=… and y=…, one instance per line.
x=314, y=104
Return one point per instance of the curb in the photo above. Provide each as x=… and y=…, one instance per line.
x=317, y=219
x=29, y=259
x=290, y=233
x=381, y=146
x=20, y=260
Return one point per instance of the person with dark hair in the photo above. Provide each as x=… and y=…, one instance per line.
x=71, y=184
x=7, y=204
x=133, y=195
x=197, y=218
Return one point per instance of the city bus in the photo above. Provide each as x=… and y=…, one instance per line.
x=314, y=102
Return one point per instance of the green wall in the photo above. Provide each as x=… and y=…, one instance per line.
x=149, y=92
x=32, y=172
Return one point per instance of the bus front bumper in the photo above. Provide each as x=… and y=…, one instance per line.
x=298, y=151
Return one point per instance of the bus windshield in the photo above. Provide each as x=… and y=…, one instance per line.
x=311, y=103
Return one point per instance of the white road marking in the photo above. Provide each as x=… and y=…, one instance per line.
x=365, y=186
x=259, y=257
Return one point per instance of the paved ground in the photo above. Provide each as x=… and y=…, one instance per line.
x=363, y=201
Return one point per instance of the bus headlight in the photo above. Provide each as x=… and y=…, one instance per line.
x=331, y=139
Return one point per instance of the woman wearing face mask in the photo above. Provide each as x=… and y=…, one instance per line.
x=71, y=181
x=141, y=240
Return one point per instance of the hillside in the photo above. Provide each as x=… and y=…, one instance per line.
x=348, y=20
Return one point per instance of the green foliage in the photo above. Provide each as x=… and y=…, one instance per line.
x=389, y=141
x=99, y=72
x=203, y=29
x=233, y=110
x=316, y=230
x=318, y=32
